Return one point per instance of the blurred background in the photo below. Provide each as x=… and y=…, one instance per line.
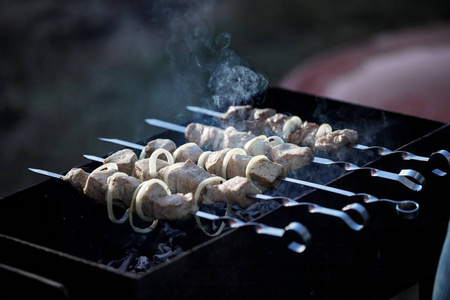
x=73, y=71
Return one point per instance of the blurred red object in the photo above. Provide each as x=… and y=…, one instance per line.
x=406, y=72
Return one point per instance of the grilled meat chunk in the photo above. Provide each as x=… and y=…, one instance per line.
x=235, y=114
x=336, y=140
x=142, y=170
x=232, y=138
x=234, y=191
x=187, y=151
x=247, y=118
x=167, y=144
x=156, y=204
x=291, y=156
x=264, y=173
x=276, y=123
x=305, y=135
x=123, y=189
x=174, y=207
x=206, y=137
x=214, y=138
x=184, y=178
x=77, y=178
x=124, y=159
x=96, y=184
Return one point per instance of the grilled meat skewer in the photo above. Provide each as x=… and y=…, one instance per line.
x=195, y=132
x=226, y=163
x=267, y=121
x=153, y=202
x=249, y=118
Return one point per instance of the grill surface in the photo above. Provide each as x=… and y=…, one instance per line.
x=62, y=240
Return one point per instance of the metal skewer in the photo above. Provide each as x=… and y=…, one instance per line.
x=260, y=228
x=439, y=158
x=313, y=208
x=406, y=209
x=407, y=177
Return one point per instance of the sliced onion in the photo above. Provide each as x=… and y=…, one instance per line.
x=152, y=161
x=250, y=165
x=202, y=159
x=204, y=183
x=181, y=148
x=249, y=145
x=143, y=153
x=222, y=226
x=290, y=124
x=109, y=199
x=323, y=130
x=139, y=196
x=219, y=137
x=275, y=140
x=228, y=157
x=133, y=204
x=169, y=170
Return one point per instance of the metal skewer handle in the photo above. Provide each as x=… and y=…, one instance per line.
x=406, y=209
x=440, y=158
x=296, y=227
x=314, y=208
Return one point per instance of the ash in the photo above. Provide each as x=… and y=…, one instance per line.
x=173, y=238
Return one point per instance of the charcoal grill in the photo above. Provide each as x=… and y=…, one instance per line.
x=56, y=242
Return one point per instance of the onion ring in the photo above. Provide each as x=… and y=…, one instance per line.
x=249, y=145
x=152, y=161
x=222, y=226
x=323, y=130
x=139, y=196
x=250, y=165
x=228, y=157
x=275, y=140
x=179, y=149
x=130, y=216
x=290, y=124
x=203, y=158
x=204, y=183
x=109, y=200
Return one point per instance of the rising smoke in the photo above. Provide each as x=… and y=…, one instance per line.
x=202, y=65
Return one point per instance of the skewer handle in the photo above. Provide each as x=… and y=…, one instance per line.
x=300, y=229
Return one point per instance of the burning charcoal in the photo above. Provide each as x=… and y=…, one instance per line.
x=168, y=252
x=142, y=264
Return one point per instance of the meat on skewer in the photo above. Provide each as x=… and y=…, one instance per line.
x=189, y=184
x=194, y=131
x=291, y=128
x=291, y=156
x=102, y=180
x=153, y=200
x=225, y=163
x=95, y=185
x=188, y=177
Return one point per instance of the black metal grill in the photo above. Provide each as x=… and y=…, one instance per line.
x=56, y=241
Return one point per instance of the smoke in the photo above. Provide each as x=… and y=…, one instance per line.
x=232, y=82
x=201, y=65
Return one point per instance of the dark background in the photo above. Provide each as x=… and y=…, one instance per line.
x=72, y=71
